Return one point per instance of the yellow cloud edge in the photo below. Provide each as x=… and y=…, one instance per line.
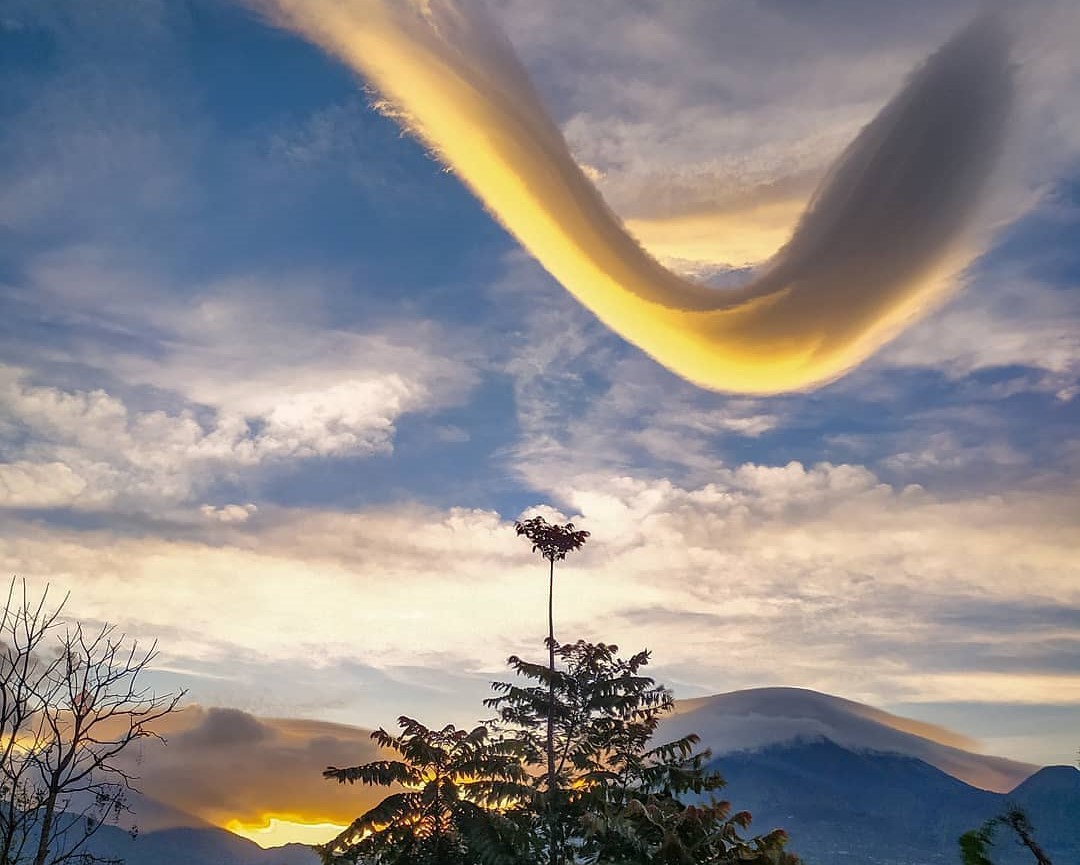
x=274, y=830
x=883, y=239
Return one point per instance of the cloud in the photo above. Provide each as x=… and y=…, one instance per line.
x=229, y=513
x=222, y=765
x=842, y=285
x=585, y=403
x=156, y=395
x=1010, y=320
x=689, y=110
x=25, y=484
x=820, y=576
x=87, y=449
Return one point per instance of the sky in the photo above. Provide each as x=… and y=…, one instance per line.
x=275, y=380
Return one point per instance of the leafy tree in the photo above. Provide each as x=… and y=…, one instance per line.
x=482, y=797
x=617, y=796
x=553, y=542
x=567, y=771
x=975, y=845
x=457, y=794
x=70, y=702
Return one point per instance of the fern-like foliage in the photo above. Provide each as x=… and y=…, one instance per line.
x=619, y=795
x=457, y=801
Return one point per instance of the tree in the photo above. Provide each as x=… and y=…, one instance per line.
x=617, y=796
x=481, y=797
x=553, y=542
x=975, y=845
x=71, y=701
x=458, y=794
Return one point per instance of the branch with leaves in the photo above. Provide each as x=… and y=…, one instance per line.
x=975, y=845
x=456, y=792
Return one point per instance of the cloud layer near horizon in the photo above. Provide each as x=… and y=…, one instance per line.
x=820, y=576
x=884, y=236
x=228, y=767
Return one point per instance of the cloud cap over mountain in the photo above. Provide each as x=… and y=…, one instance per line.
x=754, y=718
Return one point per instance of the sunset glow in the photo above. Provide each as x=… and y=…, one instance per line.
x=276, y=831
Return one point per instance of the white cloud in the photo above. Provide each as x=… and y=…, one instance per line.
x=198, y=385
x=1003, y=319
x=229, y=513
x=38, y=484
x=816, y=576
x=89, y=449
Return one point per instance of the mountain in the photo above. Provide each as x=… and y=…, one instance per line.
x=744, y=720
x=1051, y=797
x=853, y=784
x=194, y=846
x=843, y=807
x=840, y=807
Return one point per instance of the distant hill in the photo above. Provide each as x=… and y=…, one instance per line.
x=853, y=784
x=191, y=846
x=1052, y=799
x=743, y=720
x=843, y=807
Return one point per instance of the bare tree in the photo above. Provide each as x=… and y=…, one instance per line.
x=71, y=700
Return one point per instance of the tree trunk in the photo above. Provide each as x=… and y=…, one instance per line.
x=553, y=855
x=46, y=828
x=1033, y=846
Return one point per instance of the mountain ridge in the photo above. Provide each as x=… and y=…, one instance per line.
x=844, y=807
x=759, y=717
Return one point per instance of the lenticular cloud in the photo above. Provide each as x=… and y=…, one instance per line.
x=883, y=237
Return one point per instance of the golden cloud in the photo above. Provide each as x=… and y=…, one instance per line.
x=883, y=237
x=224, y=766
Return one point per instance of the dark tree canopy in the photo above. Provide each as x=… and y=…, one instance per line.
x=480, y=797
x=619, y=795
x=551, y=540
x=456, y=794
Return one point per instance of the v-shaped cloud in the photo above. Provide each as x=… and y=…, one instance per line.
x=884, y=236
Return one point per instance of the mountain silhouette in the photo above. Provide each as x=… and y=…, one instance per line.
x=843, y=807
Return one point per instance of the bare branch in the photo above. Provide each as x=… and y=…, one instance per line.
x=71, y=701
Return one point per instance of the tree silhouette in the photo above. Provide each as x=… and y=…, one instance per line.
x=459, y=791
x=618, y=796
x=68, y=707
x=975, y=845
x=553, y=542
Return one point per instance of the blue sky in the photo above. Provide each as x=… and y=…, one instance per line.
x=274, y=385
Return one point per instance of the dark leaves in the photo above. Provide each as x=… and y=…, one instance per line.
x=552, y=541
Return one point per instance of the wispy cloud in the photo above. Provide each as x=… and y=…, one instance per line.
x=173, y=393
